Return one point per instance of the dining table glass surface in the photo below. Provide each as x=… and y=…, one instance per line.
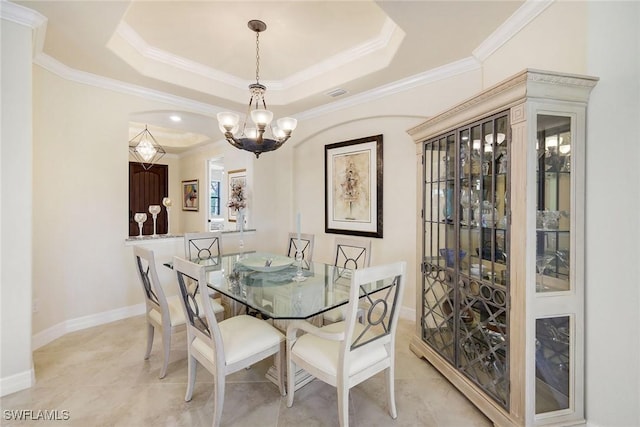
x=265, y=282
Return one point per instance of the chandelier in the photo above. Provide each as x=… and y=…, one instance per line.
x=146, y=149
x=259, y=136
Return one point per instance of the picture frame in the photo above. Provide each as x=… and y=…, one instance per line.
x=353, y=187
x=190, y=195
x=234, y=176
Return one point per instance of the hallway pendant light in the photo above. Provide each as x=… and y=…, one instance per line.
x=260, y=136
x=145, y=149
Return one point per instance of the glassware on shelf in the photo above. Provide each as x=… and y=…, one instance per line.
x=140, y=218
x=166, y=202
x=542, y=262
x=465, y=202
x=475, y=212
x=154, y=210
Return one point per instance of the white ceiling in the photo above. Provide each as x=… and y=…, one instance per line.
x=202, y=53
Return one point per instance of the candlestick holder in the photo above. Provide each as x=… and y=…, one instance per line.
x=299, y=277
x=166, y=202
x=154, y=210
x=140, y=218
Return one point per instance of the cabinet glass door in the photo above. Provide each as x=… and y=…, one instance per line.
x=466, y=275
x=438, y=316
x=553, y=258
x=482, y=239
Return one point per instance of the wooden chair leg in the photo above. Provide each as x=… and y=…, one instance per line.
x=279, y=362
x=191, y=376
x=218, y=390
x=391, y=395
x=343, y=406
x=150, y=331
x=166, y=349
x=291, y=379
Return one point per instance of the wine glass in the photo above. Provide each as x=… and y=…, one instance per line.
x=154, y=210
x=166, y=202
x=542, y=261
x=140, y=218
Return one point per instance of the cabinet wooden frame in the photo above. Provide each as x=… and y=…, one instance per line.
x=526, y=95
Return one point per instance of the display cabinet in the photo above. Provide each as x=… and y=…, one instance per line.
x=501, y=196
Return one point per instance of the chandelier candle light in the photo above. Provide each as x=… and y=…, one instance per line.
x=263, y=137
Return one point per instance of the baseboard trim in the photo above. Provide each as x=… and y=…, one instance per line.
x=44, y=337
x=17, y=382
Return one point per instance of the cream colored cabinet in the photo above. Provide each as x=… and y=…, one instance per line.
x=501, y=196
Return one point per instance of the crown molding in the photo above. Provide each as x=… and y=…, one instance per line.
x=453, y=69
x=21, y=15
x=151, y=53
x=509, y=28
x=53, y=65
x=523, y=16
x=129, y=35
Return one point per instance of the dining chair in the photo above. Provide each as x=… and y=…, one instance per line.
x=306, y=247
x=350, y=254
x=203, y=246
x=161, y=312
x=346, y=353
x=223, y=347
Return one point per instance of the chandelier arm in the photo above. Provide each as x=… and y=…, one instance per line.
x=233, y=140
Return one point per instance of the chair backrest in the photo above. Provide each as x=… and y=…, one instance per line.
x=306, y=246
x=203, y=246
x=352, y=253
x=206, y=328
x=146, y=268
x=381, y=319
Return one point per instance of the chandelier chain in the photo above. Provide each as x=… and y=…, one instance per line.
x=257, y=57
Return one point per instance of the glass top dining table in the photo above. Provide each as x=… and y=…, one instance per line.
x=266, y=283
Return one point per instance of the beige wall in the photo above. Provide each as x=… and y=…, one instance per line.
x=16, y=193
x=80, y=187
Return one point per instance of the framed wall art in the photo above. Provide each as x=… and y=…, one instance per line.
x=190, y=195
x=237, y=192
x=353, y=187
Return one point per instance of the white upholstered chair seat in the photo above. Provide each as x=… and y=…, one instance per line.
x=176, y=312
x=324, y=354
x=243, y=336
x=344, y=354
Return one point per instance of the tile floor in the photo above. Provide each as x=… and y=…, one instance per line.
x=100, y=377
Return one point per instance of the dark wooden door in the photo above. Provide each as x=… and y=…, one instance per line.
x=147, y=187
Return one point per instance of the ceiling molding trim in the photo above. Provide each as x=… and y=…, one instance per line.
x=381, y=41
x=129, y=35
x=21, y=15
x=509, y=28
x=446, y=71
x=68, y=73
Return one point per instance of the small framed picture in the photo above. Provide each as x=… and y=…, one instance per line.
x=237, y=192
x=190, y=195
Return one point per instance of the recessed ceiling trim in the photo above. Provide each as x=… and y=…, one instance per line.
x=509, y=28
x=381, y=41
x=458, y=67
x=21, y=15
x=68, y=73
x=389, y=31
x=152, y=53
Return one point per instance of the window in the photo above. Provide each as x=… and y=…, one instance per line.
x=214, y=206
